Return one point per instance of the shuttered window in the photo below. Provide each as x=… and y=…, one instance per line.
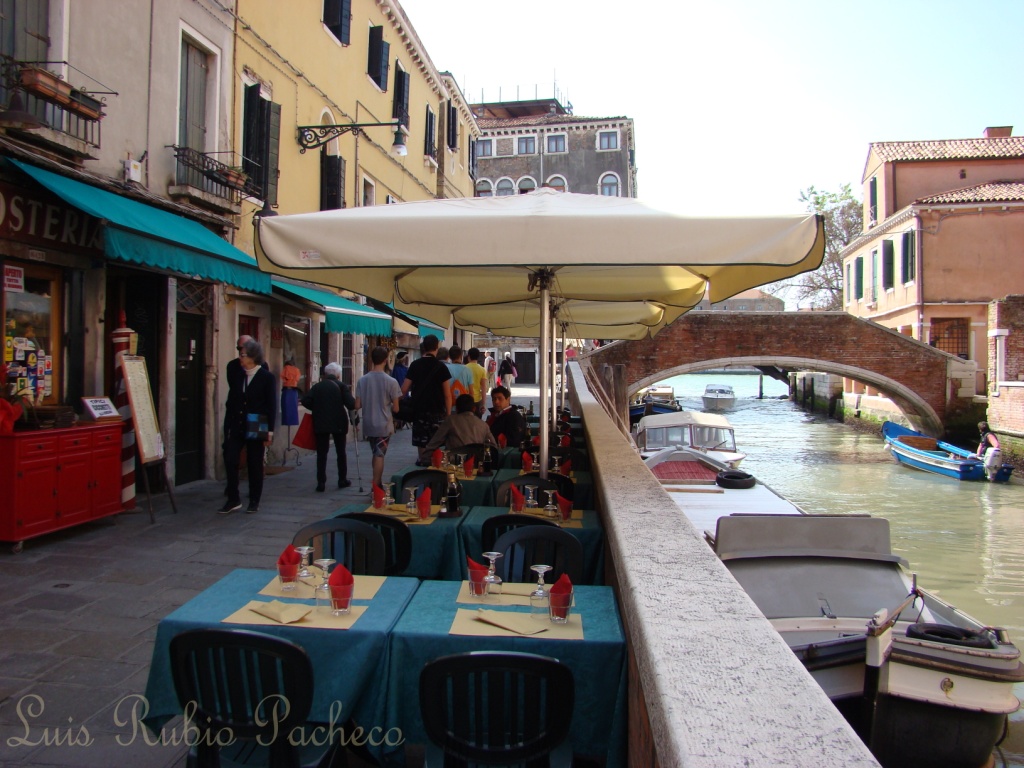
x=858, y=278
x=430, y=139
x=24, y=29
x=400, y=98
x=909, y=257
x=261, y=141
x=873, y=201
x=874, y=276
x=338, y=19
x=888, y=264
x=377, y=58
x=452, y=126
x=332, y=182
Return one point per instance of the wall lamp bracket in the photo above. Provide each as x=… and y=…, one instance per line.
x=313, y=136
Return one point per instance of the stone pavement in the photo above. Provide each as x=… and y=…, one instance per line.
x=79, y=608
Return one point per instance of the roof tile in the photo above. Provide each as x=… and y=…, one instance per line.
x=949, y=149
x=990, y=192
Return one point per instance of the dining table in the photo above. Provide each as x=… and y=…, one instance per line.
x=475, y=491
x=584, y=524
x=436, y=545
x=583, y=487
x=349, y=655
x=592, y=644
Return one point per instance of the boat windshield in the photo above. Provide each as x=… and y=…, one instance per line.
x=662, y=437
x=714, y=438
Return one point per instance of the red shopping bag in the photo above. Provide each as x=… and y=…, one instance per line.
x=305, y=438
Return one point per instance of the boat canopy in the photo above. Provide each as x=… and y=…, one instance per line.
x=697, y=430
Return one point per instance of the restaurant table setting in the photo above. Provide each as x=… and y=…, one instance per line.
x=579, y=625
x=348, y=650
x=476, y=489
x=583, y=486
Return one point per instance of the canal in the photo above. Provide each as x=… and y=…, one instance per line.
x=964, y=540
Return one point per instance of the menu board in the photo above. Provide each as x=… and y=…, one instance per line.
x=140, y=398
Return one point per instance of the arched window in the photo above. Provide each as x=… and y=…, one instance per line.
x=505, y=187
x=484, y=188
x=526, y=184
x=610, y=185
x=557, y=182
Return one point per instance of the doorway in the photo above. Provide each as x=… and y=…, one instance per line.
x=189, y=427
x=526, y=364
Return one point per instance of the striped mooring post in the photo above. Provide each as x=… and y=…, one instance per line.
x=121, y=339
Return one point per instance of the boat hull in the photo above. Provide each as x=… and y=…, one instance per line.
x=915, y=450
x=718, y=403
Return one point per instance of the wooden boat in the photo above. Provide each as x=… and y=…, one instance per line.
x=919, y=451
x=718, y=397
x=922, y=683
x=653, y=400
x=707, y=435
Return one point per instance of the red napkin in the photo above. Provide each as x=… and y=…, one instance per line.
x=527, y=462
x=564, y=506
x=341, y=582
x=423, y=503
x=476, y=574
x=467, y=468
x=560, y=607
x=502, y=441
x=288, y=562
x=436, y=458
x=564, y=441
x=378, y=496
x=565, y=467
x=536, y=440
x=518, y=499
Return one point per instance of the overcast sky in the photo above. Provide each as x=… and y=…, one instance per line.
x=738, y=105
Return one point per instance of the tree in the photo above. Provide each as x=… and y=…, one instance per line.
x=823, y=287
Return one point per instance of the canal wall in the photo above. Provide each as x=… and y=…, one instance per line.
x=711, y=684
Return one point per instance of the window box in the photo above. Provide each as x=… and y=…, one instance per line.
x=85, y=105
x=46, y=84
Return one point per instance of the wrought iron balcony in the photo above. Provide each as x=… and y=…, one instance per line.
x=201, y=171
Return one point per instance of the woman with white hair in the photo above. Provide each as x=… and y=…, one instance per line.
x=329, y=402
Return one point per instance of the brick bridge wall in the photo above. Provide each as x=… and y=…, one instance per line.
x=911, y=373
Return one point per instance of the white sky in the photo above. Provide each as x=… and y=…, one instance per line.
x=740, y=104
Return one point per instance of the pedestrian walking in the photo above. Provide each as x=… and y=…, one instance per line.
x=377, y=396
x=329, y=401
x=249, y=417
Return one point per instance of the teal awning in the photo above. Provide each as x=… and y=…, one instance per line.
x=427, y=327
x=141, y=234
x=343, y=316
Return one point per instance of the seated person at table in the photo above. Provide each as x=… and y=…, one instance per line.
x=504, y=419
x=463, y=427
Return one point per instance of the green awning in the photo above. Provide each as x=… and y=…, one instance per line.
x=141, y=234
x=343, y=316
x=427, y=327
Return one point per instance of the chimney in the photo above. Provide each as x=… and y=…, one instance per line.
x=999, y=132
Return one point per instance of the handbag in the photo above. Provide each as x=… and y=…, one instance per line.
x=304, y=437
x=256, y=427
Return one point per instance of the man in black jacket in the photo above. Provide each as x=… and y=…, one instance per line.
x=251, y=407
x=329, y=401
x=430, y=382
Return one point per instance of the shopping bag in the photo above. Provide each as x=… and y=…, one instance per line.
x=304, y=437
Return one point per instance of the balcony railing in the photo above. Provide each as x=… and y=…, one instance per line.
x=202, y=171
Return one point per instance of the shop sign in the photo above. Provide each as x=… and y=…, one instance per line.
x=34, y=218
x=14, y=279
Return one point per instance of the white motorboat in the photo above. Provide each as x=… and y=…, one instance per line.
x=718, y=397
x=704, y=434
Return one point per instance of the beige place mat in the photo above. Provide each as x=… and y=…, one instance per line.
x=399, y=511
x=576, y=521
x=466, y=623
x=572, y=474
x=313, y=620
x=511, y=594
x=366, y=587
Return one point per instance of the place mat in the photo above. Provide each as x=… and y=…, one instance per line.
x=519, y=623
x=366, y=587
x=313, y=620
x=467, y=623
x=399, y=511
x=575, y=521
x=519, y=595
x=572, y=475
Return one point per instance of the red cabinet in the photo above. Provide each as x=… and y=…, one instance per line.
x=55, y=478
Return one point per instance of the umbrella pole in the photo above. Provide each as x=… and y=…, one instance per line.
x=552, y=411
x=565, y=369
x=545, y=340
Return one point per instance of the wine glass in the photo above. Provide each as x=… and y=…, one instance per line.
x=536, y=459
x=322, y=592
x=389, y=499
x=551, y=508
x=460, y=462
x=492, y=579
x=539, y=596
x=304, y=572
x=531, y=496
x=410, y=504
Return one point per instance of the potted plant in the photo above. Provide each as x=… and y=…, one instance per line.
x=45, y=83
x=85, y=105
x=234, y=176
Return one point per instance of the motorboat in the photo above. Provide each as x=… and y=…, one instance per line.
x=921, y=682
x=718, y=397
x=708, y=435
x=914, y=449
x=653, y=400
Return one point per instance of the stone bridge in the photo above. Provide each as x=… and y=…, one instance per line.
x=927, y=384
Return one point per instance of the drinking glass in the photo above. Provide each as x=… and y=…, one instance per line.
x=389, y=499
x=322, y=593
x=551, y=508
x=531, y=496
x=536, y=460
x=492, y=579
x=304, y=572
x=460, y=461
x=410, y=504
x=539, y=596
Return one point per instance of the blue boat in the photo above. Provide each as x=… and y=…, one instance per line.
x=930, y=455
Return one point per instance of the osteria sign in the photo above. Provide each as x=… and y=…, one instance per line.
x=44, y=220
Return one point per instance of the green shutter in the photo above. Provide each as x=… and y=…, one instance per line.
x=888, y=264
x=273, y=150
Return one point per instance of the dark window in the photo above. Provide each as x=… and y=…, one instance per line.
x=505, y=188
x=858, y=269
x=556, y=143
x=888, y=264
x=377, y=58
x=909, y=257
x=261, y=140
x=483, y=147
x=950, y=335
x=609, y=185
x=192, y=110
x=557, y=182
x=332, y=181
x=608, y=140
x=484, y=189
x=400, y=100
x=24, y=30
x=873, y=200
x=527, y=145
x=430, y=140
x=452, y=126
x=338, y=19
x=526, y=185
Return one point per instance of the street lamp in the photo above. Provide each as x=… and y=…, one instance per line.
x=313, y=136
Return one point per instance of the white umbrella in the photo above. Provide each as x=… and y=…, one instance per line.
x=435, y=257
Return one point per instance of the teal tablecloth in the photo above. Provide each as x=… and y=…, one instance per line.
x=598, y=663
x=475, y=492
x=591, y=536
x=435, y=547
x=348, y=665
x=583, y=488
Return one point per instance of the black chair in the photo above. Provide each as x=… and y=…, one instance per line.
x=436, y=479
x=490, y=708
x=493, y=527
x=236, y=679
x=355, y=544
x=476, y=450
x=397, y=540
x=502, y=494
x=563, y=483
x=535, y=544
x=579, y=458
